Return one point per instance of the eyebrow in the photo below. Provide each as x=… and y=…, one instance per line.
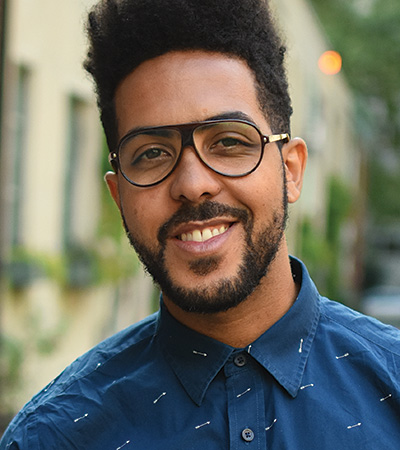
x=232, y=115
x=228, y=115
x=156, y=132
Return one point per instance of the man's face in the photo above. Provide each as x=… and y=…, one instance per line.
x=206, y=239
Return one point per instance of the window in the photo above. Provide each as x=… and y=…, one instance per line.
x=19, y=152
x=75, y=148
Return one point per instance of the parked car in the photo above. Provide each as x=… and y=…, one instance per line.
x=383, y=302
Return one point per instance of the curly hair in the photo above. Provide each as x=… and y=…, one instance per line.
x=124, y=33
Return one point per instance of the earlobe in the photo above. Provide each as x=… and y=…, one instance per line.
x=111, y=178
x=294, y=155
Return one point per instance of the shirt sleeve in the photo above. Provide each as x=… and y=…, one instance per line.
x=9, y=441
x=21, y=434
x=10, y=446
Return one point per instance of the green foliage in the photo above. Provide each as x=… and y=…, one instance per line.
x=338, y=209
x=117, y=259
x=110, y=222
x=321, y=250
x=11, y=358
x=24, y=266
x=76, y=268
x=384, y=193
x=46, y=340
x=367, y=34
x=81, y=267
x=11, y=361
x=316, y=253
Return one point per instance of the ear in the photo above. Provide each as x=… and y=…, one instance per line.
x=111, y=178
x=294, y=155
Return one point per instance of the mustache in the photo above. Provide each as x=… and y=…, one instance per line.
x=205, y=211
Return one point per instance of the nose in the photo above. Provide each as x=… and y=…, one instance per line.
x=192, y=181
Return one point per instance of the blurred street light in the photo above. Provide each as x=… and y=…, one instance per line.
x=330, y=62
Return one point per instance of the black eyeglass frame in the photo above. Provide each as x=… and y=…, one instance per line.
x=186, y=131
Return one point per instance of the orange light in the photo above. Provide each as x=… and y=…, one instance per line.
x=330, y=62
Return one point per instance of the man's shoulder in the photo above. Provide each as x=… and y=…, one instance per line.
x=105, y=360
x=131, y=338
x=352, y=325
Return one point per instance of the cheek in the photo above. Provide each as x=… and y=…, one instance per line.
x=262, y=191
x=145, y=211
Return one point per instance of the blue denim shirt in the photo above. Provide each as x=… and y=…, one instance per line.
x=323, y=377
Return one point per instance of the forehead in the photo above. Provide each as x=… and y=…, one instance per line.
x=189, y=86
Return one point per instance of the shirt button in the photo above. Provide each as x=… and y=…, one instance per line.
x=240, y=360
x=248, y=435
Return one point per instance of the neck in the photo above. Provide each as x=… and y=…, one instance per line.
x=242, y=325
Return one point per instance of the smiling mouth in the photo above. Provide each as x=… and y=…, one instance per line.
x=203, y=235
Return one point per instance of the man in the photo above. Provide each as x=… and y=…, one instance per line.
x=244, y=352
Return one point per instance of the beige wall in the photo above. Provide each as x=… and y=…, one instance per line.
x=52, y=50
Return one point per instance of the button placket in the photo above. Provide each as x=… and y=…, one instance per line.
x=246, y=408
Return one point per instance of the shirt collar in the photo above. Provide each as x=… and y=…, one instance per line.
x=195, y=358
x=282, y=350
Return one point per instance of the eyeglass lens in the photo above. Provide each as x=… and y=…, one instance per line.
x=230, y=148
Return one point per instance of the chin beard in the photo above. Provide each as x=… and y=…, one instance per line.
x=257, y=256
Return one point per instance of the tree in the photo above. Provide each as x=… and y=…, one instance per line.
x=367, y=34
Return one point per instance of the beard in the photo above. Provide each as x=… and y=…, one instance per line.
x=258, y=254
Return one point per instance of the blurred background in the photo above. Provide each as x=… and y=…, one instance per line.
x=68, y=278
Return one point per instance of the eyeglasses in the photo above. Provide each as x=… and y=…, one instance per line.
x=233, y=148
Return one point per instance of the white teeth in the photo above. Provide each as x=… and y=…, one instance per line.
x=207, y=234
x=197, y=237
x=202, y=236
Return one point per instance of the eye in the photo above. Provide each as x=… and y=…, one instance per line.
x=150, y=155
x=229, y=142
x=229, y=145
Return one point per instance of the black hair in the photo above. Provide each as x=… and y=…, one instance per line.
x=125, y=33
